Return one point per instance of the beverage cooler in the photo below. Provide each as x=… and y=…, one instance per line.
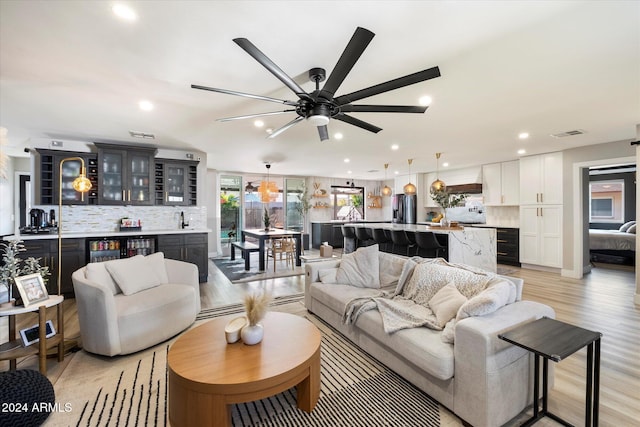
x=109, y=248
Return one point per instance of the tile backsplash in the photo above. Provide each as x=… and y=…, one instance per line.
x=77, y=218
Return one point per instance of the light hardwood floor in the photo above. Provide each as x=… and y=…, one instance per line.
x=601, y=301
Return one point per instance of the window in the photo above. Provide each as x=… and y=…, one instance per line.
x=348, y=203
x=606, y=201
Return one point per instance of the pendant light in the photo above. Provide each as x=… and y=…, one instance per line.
x=409, y=189
x=386, y=190
x=267, y=187
x=437, y=185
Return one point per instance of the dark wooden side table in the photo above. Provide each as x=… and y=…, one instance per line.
x=551, y=339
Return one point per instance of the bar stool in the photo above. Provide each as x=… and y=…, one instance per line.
x=399, y=238
x=349, y=232
x=428, y=244
x=364, y=238
x=381, y=239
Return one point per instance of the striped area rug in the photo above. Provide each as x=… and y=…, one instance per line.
x=356, y=390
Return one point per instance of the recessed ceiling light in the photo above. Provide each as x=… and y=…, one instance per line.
x=396, y=172
x=425, y=100
x=124, y=12
x=337, y=135
x=395, y=146
x=522, y=151
x=523, y=135
x=258, y=123
x=269, y=130
x=445, y=165
x=145, y=105
x=347, y=160
x=349, y=172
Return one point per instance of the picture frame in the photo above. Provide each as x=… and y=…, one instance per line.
x=31, y=288
x=32, y=335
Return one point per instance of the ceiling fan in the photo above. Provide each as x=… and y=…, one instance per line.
x=319, y=106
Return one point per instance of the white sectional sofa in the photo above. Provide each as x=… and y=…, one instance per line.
x=130, y=304
x=482, y=379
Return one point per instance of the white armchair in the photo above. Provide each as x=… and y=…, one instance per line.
x=130, y=304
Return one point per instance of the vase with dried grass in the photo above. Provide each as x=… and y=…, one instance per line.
x=256, y=306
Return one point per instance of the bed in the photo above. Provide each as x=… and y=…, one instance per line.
x=613, y=246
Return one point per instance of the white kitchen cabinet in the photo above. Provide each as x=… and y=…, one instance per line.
x=541, y=179
x=541, y=235
x=501, y=184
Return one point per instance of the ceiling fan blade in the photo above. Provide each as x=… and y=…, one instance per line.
x=356, y=46
x=251, y=116
x=357, y=122
x=349, y=108
x=246, y=95
x=285, y=127
x=414, y=78
x=267, y=63
x=323, y=131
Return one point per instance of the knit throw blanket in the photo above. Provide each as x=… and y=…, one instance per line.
x=421, y=279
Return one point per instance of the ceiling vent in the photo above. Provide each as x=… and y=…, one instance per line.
x=143, y=135
x=568, y=133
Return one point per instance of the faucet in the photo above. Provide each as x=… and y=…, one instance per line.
x=182, y=223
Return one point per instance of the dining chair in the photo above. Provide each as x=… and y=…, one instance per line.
x=282, y=246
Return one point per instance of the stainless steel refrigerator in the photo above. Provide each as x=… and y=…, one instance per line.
x=404, y=209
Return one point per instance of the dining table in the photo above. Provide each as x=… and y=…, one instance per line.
x=262, y=235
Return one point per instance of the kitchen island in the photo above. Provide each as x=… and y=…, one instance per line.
x=472, y=246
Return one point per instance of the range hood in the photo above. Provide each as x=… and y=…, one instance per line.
x=475, y=188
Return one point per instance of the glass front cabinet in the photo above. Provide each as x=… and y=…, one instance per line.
x=176, y=182
x=48, y=180
x=126, y=175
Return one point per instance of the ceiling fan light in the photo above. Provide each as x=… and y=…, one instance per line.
x=318, y=120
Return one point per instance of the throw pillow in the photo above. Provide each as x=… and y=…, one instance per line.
x=632, y=229
x=390, y=269
x=360, y=268
x=328, y=275
x=96, y=272
x=625, y=227
x=133, y=274
x=446, y=303
x=158, y=265
x=496, y=295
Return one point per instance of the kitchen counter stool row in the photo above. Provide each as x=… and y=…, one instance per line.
x=401, y=242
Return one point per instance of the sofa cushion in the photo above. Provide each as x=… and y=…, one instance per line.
x=420, y=346
x=446, y=303
x=337, y=296
x=97, y=272
x=360, y=268
x=133, y=274
x=328, y=275
x=390, y=268
x=158, y=265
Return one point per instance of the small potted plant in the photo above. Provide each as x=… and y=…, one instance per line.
x=13, y=266
x=256, y=305
x=447, y=200
x=266, y=219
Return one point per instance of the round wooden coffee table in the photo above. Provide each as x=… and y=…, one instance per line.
x=207, y=375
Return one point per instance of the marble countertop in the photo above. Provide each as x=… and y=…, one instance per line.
x=81, y=235
x=409, y=227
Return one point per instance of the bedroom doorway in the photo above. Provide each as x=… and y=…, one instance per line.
x=610, y=214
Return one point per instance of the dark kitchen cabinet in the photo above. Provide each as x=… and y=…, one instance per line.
x=48, y=177
x=126, y=175
x=73, y=257
x=191, y=248
x=176, y=182
x=508, y=246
